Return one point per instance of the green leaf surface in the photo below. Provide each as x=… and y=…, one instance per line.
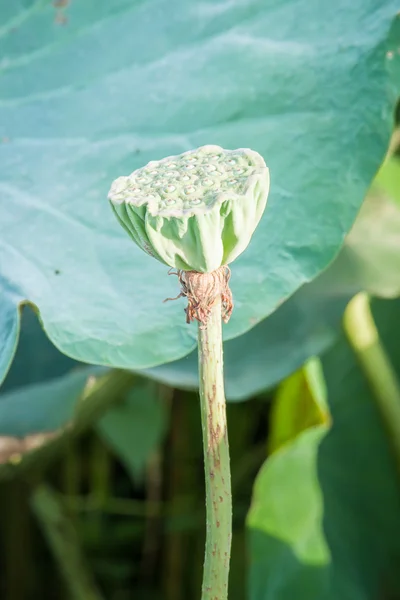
x=36, y=359
x=93, y=90
x=358, y=492
x=135, y=427
x=388, y=178
x=9, y=333
x=288, y=552
x=42, y=407
x=42, y=387
x=299, y=403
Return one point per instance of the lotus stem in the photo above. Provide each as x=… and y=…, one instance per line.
x=216, y=457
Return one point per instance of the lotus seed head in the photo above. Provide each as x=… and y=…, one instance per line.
x=188, y=211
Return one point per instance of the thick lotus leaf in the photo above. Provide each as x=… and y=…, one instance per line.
x=358, y=495
x=95, y=89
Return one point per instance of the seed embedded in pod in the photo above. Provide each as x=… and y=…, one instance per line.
x=189, y=167
x=196, y=201
x=232, y=181
x=170, y=188
x=207, y=182
x=170, y=201
x=171, y=165
x=231, y=161
x=239, y=171
x=210, y=168
x=172, y=174
x=185, y=178
x=190, y=189
x=160, y=182
x=191, y=159
x=215, y=157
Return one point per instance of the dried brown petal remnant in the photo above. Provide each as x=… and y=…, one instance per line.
x=202, y=291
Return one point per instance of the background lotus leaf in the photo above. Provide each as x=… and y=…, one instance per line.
x=84, y=97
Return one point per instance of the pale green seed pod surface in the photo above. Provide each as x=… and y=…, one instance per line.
x=196, y=211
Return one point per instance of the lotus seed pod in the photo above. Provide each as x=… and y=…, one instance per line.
x=196, y=211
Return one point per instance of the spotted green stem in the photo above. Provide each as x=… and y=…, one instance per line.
x=216, y=458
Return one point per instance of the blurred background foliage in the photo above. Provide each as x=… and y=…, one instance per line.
x=101, y=474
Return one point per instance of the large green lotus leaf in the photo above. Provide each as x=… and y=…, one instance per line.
x=356, y=555
x=92, y=90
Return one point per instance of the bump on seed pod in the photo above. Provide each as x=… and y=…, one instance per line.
x=196, y=211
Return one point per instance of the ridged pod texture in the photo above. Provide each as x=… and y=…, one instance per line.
x=196, y=211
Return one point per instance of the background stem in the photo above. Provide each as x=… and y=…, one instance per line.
x=216, y=458
x=64, y=543
x=363, y=336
